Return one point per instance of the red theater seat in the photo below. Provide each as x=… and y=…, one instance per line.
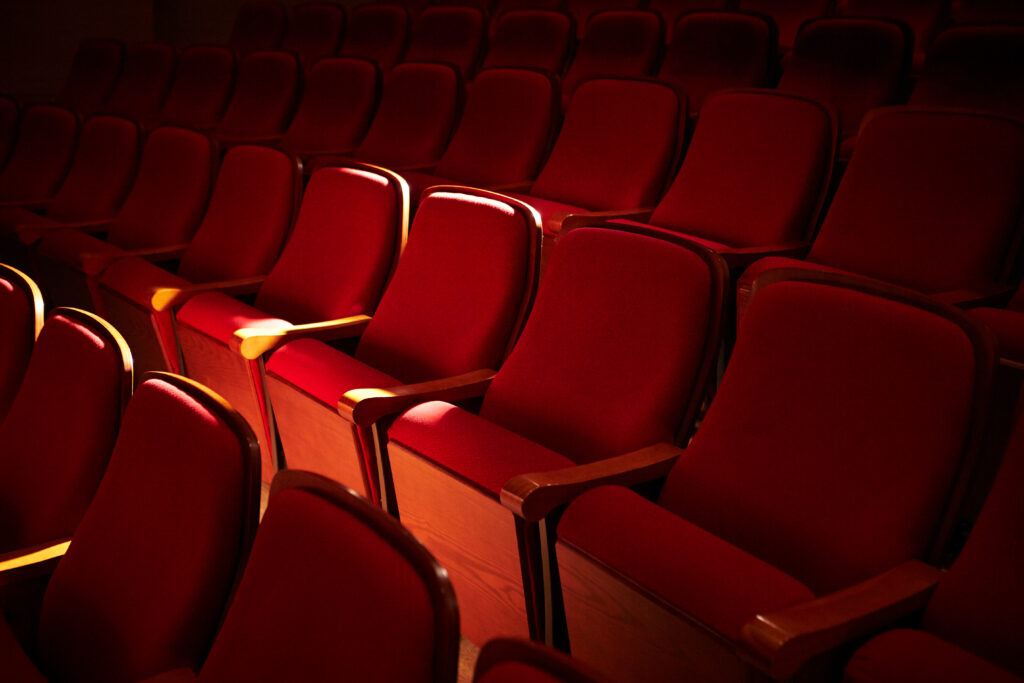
x=153, y=563
x=923, y=17
x=448, y=34
x=531, y=39
x=583, y=399
x=259, y=25
x=145, y=79
x=510, y=660
x=315, y=31
x=264, y=99
x=672, y=10
x=454, y=306
x=827, y=464
x=21, y=319
x=41, y=155
x=377, y=33
x=201, y=89
x=92, y=76
x=788, y=15
x=582, y=10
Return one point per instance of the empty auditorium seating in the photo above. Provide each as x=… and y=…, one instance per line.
x=58, y=435
x=377, y=33
x=482, y=490
x=9, y=111
x=502, y=6
x=315, y=30
x=615, y=43
x=713, y=50
x=452, y=309
x=504, y=660
x=503, y=135
x=148, y=575
x=827, y=462
x=334, y=590
x=531, y=39
x=672, y=10
x=923, y=17
x=449, y=34
x=92, y=76
x=21, y=318
x=931, y=200
x=145, y=78
x=349, y=233
x=616, y=146
x=202, y=87
x=755, y=175
x=240, y=237
x=264, y=98
x=259, y=25
x=162, y=210
x=41, y=155
x=336, y=109
x=968, y=631
x=788, y=15
x=582, y=10
x=976, y=67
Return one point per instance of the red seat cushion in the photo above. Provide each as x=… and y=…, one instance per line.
x=219, y=315
x=470, y=446
x=137, y=279
x=324, y=372
x=908, y=655
x=718, y=583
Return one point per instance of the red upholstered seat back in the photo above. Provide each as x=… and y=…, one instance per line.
x=93, y=75
x=459, y=291
x=202, y=87
x=21, y=315
x=672, y=10
x=337, y=106
x=264, y=98
x=143, y=586
x=505, y=129
x=715, y=50
x=853, y=64
x=60, y=430
x=102, y=170
x=338, y=257
x=787, y=14
x=448, y=34
x=930, y=200
x=589, y=383
x=833, y=443
x=418, y=110
x=615, y=145
x=315, y=30
x=41, y=154
x=977, y=602
x=755, y=172
x=170, y=192
x=616, y=43
x=259, y=25
x=531, y=39
x=924, y=17
x=377, y=33
x=248, y=218
x=582, y=10
x=145, y=79
x=336, y=590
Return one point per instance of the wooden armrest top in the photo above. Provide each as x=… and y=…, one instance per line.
x=24, y=557
x=780, y=642
x=30, y=233
x=166, y=253
x=172, y=297
x=364, y=407
x=534, y=496
x=253, y=342
x=576, y=220
x=741, y=257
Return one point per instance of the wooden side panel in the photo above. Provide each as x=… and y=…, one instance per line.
x=137, y=326
x=315, y=438
x=630, y=637
x=473, y=536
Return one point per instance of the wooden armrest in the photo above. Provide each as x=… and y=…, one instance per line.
x=172, y=297
x=576, y=220
x=995, y=296
x=521, y=187
x=38, y=560
x=534, y=496
x=28, y=204
x=780, y=642
x=364, y=407
x=30, y=233
x=167, y=253
x=253, y=342
x=742, y=257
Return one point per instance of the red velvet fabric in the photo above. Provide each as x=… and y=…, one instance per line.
x=17, y=336
x=146, y=74
x=449, y=34
x=324, y=372
x=41, y=154
x=324, y=598
x=853, y=64
x=266, y=90
x=377, y=33
x=219, y=315
x=531, y=39
x=314, y=30
x=137, y=279
x=754, y=171
x=715, y=50
x=142, y=588
x=672, y=10
x=471, y=447
x=930, y=200
x=17, y=665
x=457, y=292
x=905, y=655
x=697, y=572
x=613, y=125
x=418, y=111
x=582, y=10
x=1008, y=326
x=59, y=433
x=337, y=106
x=787, y=14
x=202, y=86
x=626, y=387
x=923, y=17
x=616, y=43
x=93, y=74
x=259, y=25
x=831, y=416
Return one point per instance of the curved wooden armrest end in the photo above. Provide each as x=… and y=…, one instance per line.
x=252, y=342
x=166, y=298
x=364, y=407
x=38, y=560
